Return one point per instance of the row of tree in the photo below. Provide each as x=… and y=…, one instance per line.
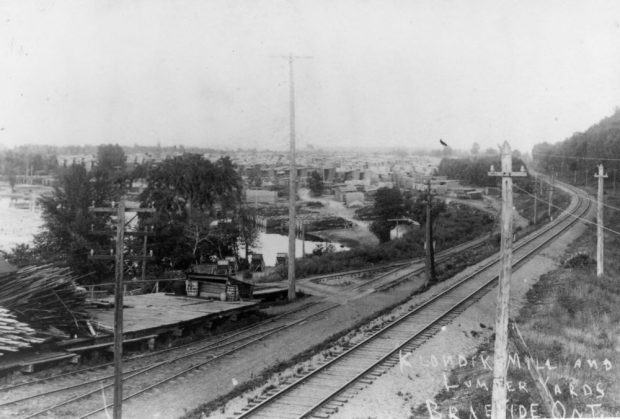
x=576, y=158
x=199, y=212
x=26, y=161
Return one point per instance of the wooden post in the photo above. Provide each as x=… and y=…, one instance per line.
x=144, y=255
x=535, y=200
x=303, y=240
x=428, y=243
x=500, y=358
x=600, y=235
x=119, y=289
x=551, y=186
x=291, y=206
x=118, y=312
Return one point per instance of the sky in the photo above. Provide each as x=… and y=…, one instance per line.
x=394, y=73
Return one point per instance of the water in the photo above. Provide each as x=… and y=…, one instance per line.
x=270, y=244
x=17, y=225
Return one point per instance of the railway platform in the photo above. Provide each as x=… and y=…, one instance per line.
x=158, y=313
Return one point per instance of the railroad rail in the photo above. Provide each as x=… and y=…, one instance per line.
x=185, y=359
x=322, y=391
x=197, y=353
x=25, y=398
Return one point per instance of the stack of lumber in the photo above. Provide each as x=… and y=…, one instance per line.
x=46, y=297
x=15, y=335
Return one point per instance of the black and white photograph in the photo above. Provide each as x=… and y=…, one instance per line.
x=326, y=209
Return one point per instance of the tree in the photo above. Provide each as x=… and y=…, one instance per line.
x=197, y=202
x=389, y=204
x=111, y=158
x=248, y=232
x=315, y=183
x=475, y=149
x=66, y=237
x=110, y=173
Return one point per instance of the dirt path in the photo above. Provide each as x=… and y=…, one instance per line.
x=360, y=232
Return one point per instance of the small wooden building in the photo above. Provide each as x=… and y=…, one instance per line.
x=217, y=286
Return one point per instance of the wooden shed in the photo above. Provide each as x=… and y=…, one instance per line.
x=208, y=285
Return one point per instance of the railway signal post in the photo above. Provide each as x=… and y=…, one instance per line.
x=119, y=210
x=600, y=238
x=500, y=359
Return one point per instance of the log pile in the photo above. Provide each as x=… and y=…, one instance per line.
x=46, y=297
x=15, y=335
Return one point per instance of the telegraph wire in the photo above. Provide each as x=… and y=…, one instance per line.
x=562, y=209
x=591, y=200
x=575, y=158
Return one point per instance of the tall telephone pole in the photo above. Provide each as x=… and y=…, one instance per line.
x=500, y=359
x=293, y=173
x=428, y=244
x=550, y=201
x=118, y=258
x=291, y=200
x=535, y=200
x=600, y=238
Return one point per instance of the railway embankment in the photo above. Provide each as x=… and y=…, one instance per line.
x=566, y=346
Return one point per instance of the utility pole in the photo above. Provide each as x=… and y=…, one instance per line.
x=118, y=258
x=293, y=170
x=535, y=200
x=303, y=240
x=551, y=186
x=500, y=359
x=291, y=200
x=600, y=238
x=428, y=244
x=615, y=181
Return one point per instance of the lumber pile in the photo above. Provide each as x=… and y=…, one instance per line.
x=15, y=335
x=46, y=297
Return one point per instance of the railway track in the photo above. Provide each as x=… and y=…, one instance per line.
x=34, y=398
x=319, y=393
x=72, y=391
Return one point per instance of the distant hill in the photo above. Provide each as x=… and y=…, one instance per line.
x=579, y=155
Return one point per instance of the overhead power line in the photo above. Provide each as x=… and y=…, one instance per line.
x=564, y=156
x=585, y=220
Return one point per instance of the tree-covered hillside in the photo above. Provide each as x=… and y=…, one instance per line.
x=576, y=158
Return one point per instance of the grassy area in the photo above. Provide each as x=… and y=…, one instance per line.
x=525, y=205
x=458, y=224
x=571, y=325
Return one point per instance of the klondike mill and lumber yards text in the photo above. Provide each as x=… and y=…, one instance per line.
x=594, y=392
